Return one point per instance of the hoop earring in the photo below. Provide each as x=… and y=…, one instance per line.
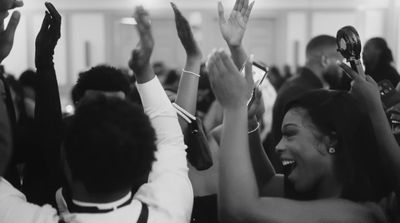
x=331, y=150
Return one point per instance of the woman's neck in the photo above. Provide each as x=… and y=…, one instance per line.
x=329, y=187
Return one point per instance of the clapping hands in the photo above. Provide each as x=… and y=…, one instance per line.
x=185, y=34
x=234, y=28
x=7, y=34
x=140, y=57
x=48, y=36
x=230, y=88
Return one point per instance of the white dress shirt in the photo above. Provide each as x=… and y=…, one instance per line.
x=168, y=193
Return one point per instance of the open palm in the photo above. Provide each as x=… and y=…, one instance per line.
x=234, y=28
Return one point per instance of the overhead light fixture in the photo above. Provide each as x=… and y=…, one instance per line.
x=128, y=21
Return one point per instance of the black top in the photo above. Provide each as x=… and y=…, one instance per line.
x=385, y=72
x=290, y=90
x=205, y=209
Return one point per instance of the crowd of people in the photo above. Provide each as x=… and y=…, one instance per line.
x=159, y=146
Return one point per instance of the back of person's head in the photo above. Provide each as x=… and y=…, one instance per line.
x=28, y=78
x=320, y=44
x=172, y=80
x=109, y=145
x=28, y=81
x=376, y=52
x=322, y=57
x=100, y=78
x=356, y=161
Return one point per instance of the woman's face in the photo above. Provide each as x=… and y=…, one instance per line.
x=304, y=152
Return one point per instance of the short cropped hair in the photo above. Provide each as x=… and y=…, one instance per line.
x=109, y=144
x=28, y=78
x=320, y=44
x=100, y=78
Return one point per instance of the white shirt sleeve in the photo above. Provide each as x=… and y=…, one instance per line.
x=15, y=209
x=168, y=193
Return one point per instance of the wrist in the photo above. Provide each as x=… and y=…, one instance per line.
x=252, y=123
x=193, y=60
x=235, y=46
x=144, y=74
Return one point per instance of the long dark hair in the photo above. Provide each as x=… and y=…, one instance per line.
x=357, y=163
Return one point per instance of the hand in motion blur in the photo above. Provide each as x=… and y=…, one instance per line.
x=7, y=34
x=10, y=4
x=48, y=36
x=185, y=34
x=365, y=90
x=234, y=28
x=140, y=57
x=230, y=87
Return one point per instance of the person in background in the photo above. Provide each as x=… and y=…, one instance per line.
x=103, y=78
x=378, y=60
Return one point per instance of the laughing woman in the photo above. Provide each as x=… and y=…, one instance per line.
x=328, y=148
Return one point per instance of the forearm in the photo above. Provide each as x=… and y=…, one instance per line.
x=236, y=171
x=48, y=106
x=188, y=86
x=262, y=167
x=145, y=75
x=239, y=55
x=48, y=117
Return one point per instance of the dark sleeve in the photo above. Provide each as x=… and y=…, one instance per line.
x=48, y=118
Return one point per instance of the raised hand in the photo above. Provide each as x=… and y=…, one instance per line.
x=234, y=28
x=48, y=36
x=10, y=4
x=140, y=57
x=7, y=35
x=365, y=90
x=185, y=34
x=230, y=88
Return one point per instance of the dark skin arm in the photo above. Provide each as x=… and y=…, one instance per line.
x=140, y=57
x=48, y=117
x=188, y=84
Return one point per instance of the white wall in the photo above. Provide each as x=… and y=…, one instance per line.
x=274, y=29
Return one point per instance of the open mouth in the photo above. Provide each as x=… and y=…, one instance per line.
x=288, y=166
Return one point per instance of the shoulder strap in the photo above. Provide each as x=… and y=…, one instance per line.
x=144, y=214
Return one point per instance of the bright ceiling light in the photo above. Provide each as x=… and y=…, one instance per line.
x=128, y=21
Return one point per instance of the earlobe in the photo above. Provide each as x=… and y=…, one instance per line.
x=332, y=143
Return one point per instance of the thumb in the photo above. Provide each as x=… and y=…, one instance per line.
x=221, y=16
x=249, y=70
x=12, y=25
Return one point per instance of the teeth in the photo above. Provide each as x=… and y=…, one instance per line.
x=287, y=162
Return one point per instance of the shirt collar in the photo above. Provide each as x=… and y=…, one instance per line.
x=102, y=206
